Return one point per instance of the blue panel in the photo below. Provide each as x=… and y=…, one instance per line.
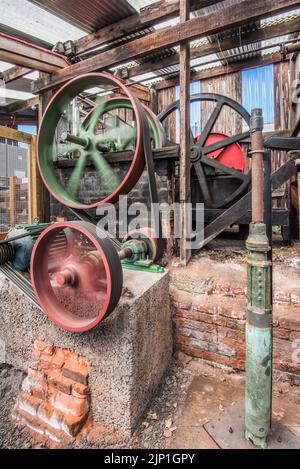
x=194, y=110
x=258, y=91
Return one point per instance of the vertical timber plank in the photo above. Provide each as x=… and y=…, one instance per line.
x=12, y=200
x=34, y=189
x=184, y=182
x=44, y=198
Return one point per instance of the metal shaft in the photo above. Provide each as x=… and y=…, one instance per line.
x=258, y=391
x=257, y=147
x=66, y=137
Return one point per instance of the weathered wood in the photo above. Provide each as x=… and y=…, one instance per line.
x=224, y=70
x=159, y=11
x=41, y=190
x=226, y=44
x=13, y=134
x=21, y=105
x=13, y=73
x=229, y=17
x=27, y=55
x=184, y=163
x=153, y=100
x=34, y=189
x=12, y=200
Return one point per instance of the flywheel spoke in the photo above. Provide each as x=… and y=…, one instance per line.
x=74, y=181
x=224, y=143
x=203, y=183
x=210, y=124
x=105, y=171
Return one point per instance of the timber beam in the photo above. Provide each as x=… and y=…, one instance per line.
x=14, y=73
x=205, y=25
x=223, y=70
x=22, y=105
x=29, y=55
x=226, y=44
x=149, y=16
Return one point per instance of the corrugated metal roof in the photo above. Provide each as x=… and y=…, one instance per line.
x=89, y=15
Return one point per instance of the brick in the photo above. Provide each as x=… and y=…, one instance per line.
x=235, y=324
x=281, y=344
x=294, y=335
x=235, y=334
x=239, y=291
x=295, y=299
x=290, y=323
x=69, y=405
x=182, y=305
x=232, y=343
x=50, y=416
x=43, y=348
x=45, y=361
x=59, y=381
x=282, y=297
x=192, y=324
x=80, y=390
x=72, y=425
x=28, y=403
x=76, y=371
x=231, y=313
x=203, y=309
x=281, y=333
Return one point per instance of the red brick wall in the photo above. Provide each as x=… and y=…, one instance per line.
x=211, y=326
x=55, y=396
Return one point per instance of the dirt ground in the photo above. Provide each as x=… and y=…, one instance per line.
x=191, y=395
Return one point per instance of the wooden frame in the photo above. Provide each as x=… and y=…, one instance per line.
x=34, y=207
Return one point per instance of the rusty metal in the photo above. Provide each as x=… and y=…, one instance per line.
x=258, y=391
x=257, y=147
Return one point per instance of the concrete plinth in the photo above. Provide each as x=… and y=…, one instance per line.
x=128, y=353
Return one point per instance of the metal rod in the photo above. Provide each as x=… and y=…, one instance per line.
x=66, y=137
x=257, y=148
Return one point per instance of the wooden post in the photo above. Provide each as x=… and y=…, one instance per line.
x=34, y=185
x=185, y=178
x=12, y=200
x=153, y=100
x=44, y=99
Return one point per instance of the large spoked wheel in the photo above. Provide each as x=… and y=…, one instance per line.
x=158, y=135
x=81, y=285
x=217, y=159
x=64, y=135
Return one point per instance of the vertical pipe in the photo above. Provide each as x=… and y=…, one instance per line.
x=257, y=145
x=258, y=390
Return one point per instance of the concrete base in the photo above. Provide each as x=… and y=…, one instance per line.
x=228, y=431
x=128, y=353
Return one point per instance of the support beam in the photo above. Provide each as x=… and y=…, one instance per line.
x=243, y=12
x=184, y=163
x=29, y=55
x=226, y=44
x=13, y=134
x=223, y=70
x=13, y=73
x=21, y=105
x=158, y=12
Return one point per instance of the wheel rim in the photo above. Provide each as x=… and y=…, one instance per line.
x=47, y=153
x=200, y=152
x=80, y=288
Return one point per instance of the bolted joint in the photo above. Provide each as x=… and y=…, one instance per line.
x=257, y=240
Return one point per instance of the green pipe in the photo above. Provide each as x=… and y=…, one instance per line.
x=258, y=391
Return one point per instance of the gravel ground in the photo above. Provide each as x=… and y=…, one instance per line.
x=154, y=431
x=11, y=436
